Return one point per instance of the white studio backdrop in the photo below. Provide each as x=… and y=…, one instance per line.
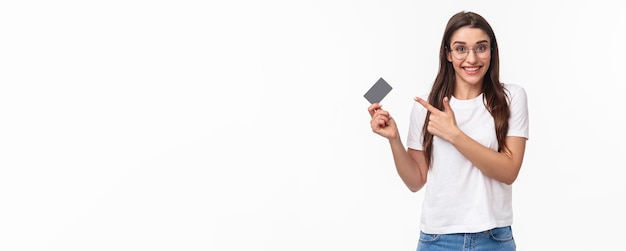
x=241, y=125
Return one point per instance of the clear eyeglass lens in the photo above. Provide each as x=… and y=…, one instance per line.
x=461, y=52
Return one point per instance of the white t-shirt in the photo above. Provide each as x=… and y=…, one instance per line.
x=458, y=197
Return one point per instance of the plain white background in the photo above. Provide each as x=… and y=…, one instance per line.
x=241, y=125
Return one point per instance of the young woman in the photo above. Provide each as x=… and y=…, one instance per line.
x=466, y=139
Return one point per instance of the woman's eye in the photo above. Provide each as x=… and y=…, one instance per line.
x=481, y=48
x=460, y=49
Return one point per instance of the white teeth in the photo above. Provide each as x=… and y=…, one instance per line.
x=471, y=69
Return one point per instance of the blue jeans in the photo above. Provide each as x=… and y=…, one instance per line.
x=500, y=239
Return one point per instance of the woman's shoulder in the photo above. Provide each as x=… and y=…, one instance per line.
x=514, y=89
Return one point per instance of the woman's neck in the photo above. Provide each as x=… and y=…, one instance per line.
x=465, y=91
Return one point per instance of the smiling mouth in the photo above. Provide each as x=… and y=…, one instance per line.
x=471, y=70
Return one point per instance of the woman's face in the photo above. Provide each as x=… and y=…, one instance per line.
x=470, y=54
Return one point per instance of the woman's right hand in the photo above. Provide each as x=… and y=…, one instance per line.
x=382, y=123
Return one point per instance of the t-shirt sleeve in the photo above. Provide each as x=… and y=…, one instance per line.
x=518, y=122
x=416, y=123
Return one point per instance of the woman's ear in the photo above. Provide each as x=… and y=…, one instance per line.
x=448, y=56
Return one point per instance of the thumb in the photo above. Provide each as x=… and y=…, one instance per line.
x=446, y=105
x=391, y=122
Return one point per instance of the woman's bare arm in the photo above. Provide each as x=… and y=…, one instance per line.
x=410, y=164
x=502, y=166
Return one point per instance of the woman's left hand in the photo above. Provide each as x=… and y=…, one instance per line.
x=442, y=123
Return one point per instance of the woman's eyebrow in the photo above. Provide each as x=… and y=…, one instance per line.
x=479, y=42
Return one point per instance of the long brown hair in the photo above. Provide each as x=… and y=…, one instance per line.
x=494, y=95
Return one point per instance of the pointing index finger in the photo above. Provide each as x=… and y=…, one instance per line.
x=426, y=105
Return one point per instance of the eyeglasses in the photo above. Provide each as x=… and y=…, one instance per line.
x=461, y=52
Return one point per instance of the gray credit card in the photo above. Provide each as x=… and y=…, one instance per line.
x=378, y=91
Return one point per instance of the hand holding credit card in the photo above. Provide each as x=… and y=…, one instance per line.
x=378, y=91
